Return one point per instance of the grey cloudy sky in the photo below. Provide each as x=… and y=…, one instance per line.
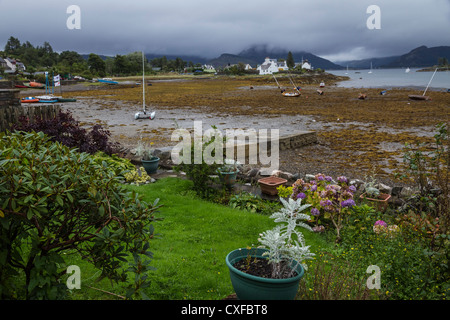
x=333, y=29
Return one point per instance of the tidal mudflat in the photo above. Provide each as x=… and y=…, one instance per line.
x=355, y=136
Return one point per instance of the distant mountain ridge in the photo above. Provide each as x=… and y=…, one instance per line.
x=417, y=58
x=256, y=55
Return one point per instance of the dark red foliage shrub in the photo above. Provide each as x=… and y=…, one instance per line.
x=65, y=129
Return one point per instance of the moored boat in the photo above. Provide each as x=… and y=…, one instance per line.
x=47, y=99
x=418, y=97
x=107, y=80
x=29, y=100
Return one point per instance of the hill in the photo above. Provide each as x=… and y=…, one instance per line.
x=256, y=54
x=418, y=57
x=421, y=57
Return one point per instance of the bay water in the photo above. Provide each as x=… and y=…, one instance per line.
x=393, y=78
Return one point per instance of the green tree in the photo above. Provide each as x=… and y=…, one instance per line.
x=96, y=65
x=290, y=60
x=12, y=46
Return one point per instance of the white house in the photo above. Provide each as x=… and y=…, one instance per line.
x=269, y=66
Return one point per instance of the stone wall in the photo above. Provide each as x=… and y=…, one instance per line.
x=11, y=109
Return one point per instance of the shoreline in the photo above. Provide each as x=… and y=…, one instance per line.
x=354, y=136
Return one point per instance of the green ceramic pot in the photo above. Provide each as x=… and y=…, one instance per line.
x=151, y=166
x=249, y=287
x=228, y=178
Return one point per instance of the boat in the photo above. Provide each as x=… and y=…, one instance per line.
x=407, y=70
x=370, y=68
x=107, y=80
x=61, y=99
x=47, y=99
x=38, y=85
x=362, y=96
x=418, y=97
x=423, y=96
x=29, y=100
x=291, y=94
x=383, y=92
x=21, y=86
x=295, y=93
x=144, y=114
x=322, y=84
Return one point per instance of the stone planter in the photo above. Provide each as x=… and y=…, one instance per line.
x=269, y=185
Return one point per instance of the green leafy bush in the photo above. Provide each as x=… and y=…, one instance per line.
x=119, y=165
x=252, y=203
x=54, y=199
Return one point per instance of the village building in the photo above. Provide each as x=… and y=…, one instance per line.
x=269, y=66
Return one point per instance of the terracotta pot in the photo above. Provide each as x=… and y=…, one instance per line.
x=269, y=185
x=381, y=203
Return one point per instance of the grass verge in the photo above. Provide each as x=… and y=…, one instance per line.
x=193, y=241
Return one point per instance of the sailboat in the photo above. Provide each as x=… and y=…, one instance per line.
x=296, y=93
x=423, y=96
x=370, y=68
x=144, y=114
x=347, y=70
x=407, y=70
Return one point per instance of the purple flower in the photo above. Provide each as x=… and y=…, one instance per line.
x=315, y=212
x=314, y=187
x=320, y=177
x=348, y=203
x=301, y=195
x=352, y=188
x=328, y=178
x=380, y=223
x=327, y=202
x=342, y=179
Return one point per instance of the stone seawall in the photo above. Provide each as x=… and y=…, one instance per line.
x=11, y=109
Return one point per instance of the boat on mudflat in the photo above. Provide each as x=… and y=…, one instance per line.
x=418, y=97
x=29, y=100
x=107, y=80
x=47, y=99
x=291, y=94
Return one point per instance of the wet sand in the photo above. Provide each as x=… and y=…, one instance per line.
x=355, y=136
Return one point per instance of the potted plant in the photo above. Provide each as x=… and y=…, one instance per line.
x=228, y=172
x=273, y=271
x=270, y=184
x=150, y=162
x=373, y=194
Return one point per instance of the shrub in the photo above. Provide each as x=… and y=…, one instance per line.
x=54, y=199
x=409, y=269
x=252, y=203
x=65, y=129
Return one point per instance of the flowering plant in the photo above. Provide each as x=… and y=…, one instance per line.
x=328, y=199
x=286, y=245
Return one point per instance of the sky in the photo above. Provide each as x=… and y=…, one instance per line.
x=337, y=30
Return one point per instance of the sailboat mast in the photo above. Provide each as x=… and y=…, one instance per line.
x=429, y=82
x=143, y=81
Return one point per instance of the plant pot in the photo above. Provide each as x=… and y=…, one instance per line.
x=151, y=166
x=269, y=185
x=381, y=203
x=249, y=287
x=228, y=178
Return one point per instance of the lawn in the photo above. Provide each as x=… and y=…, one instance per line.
x=193, y=240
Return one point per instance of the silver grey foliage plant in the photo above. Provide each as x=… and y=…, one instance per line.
x=285, y=243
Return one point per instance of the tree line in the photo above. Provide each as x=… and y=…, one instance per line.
x=44, y=58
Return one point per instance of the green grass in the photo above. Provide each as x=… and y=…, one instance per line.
x=193, y=241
